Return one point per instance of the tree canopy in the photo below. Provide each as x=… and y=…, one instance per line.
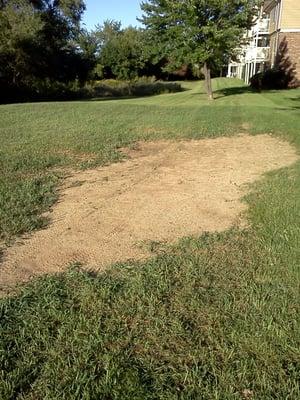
x=38, y=40
x=42, y=43
x=119, y=51
x=198, y=31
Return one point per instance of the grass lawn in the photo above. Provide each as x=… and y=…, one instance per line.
x=216, y=317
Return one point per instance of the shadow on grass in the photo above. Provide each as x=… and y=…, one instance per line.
x=287, y=108
x=232, y=91
x=129, y=97
x=98, y=92
x=297, y=102
x=124, y=91
x=295, y=106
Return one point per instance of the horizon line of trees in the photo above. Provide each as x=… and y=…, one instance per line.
x=129, y=53
x=45, y=52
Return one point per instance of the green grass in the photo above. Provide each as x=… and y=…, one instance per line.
x=37, y=140
x=214, y=317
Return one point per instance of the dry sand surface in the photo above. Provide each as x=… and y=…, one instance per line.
x=164, y=190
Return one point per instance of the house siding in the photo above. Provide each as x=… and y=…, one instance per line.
x=285, y=27
x=283, y=17
x=290, y=18
x=293, y=51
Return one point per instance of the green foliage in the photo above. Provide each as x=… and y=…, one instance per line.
x=282, y=76
x=139, y=88
x=123, y=54
x=120, y=51
x=271, y=79
x=88, y=49
x=106, y=32
x=19, y=32
x=198, y=32
x=126, y=54
x=38, y=42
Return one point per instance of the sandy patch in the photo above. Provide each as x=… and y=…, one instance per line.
x=164, y=191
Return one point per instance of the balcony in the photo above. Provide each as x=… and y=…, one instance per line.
x=257, y=54
x=263, y=53
x=262, y=26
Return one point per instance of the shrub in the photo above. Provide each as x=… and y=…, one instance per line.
x=139, y=87
x=271, y=79
x=42, y=90
x=51, y=90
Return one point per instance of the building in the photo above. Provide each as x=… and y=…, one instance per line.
x=274, y=39
x=284, y=34
x=254, y=55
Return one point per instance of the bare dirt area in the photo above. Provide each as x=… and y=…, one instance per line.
x=164, y=190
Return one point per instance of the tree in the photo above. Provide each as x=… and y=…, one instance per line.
x=120, y=51
x=20, y=26
x=38, y=40
x=201, y=32
x=87, y=49
x=106, y=32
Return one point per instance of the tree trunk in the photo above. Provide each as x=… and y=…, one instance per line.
x=208, y=85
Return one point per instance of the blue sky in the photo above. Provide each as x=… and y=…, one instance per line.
x=98, y=11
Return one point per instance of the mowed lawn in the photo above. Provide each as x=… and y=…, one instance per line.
x=39, y=140
x=214, y=317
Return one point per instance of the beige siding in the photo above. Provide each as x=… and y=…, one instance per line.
x=273, y=21
x=273, y=48
x=273, y=10
x=290, y=14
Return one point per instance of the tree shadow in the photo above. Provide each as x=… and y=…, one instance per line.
x=297, y=102
x=295, y=106
x=296, y=99
x=106, y=93
x=232, y=91
x=283, y=75
x=284, y=64
x=138, y=89
x=100, y=92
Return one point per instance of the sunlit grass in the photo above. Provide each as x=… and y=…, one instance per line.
x=38, y=139
x=214, y=317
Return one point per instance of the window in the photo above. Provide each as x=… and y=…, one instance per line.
x=263, y=41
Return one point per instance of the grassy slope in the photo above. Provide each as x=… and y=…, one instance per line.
x=212, y=318
x=38, y=138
